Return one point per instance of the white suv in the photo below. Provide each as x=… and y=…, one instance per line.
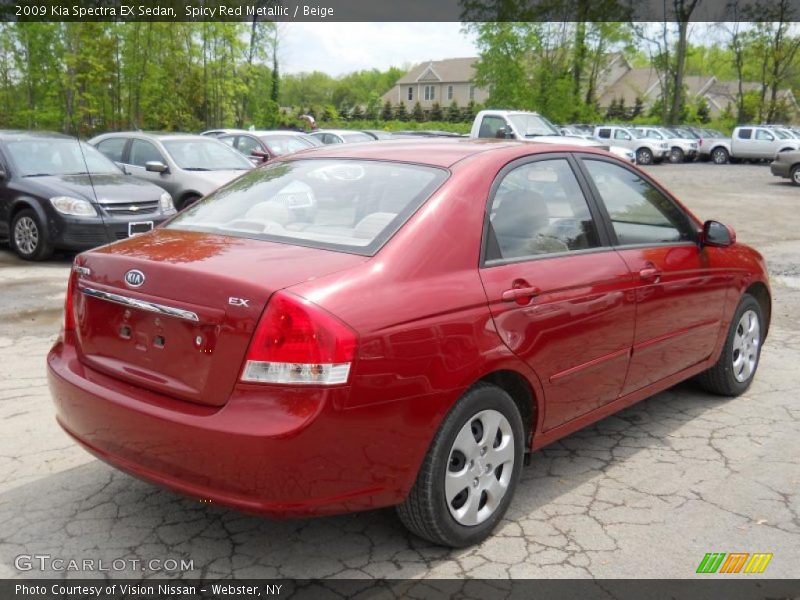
x=648, y=151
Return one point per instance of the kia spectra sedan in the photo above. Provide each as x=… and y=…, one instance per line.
x=398, y=324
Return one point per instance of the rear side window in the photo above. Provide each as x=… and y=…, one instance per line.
x=539, y=208
x=745, y=134
x=604, y=133
x=639, y=213
x=348, y=205
x=113, y=148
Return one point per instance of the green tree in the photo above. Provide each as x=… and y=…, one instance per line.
x=400, y=112
x=453, y=112
x=386, y=111
x=436, y=113
x=417, y=113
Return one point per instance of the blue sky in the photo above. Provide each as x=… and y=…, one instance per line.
x=338, y=48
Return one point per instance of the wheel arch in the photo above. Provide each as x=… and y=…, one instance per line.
x=522, y=393
x=759, y=291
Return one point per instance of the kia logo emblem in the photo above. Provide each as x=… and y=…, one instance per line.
x=134, y=278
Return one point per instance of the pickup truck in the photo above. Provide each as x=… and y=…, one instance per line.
x=750, y=142
x=533, y=127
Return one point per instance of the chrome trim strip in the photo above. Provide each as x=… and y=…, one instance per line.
x=142, y=304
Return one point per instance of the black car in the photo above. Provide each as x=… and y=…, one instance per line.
x=57, y=192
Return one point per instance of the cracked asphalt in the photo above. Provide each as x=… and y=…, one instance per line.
x=644, y=493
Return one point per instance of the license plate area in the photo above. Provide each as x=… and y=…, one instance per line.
x=138, y=227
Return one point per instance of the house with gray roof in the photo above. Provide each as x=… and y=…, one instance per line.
x=439, y=81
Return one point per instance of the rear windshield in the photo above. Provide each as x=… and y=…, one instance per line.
x=348, y=205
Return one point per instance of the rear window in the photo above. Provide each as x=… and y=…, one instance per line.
x=348, y=205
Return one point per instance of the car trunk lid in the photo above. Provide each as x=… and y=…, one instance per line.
x=181, y=322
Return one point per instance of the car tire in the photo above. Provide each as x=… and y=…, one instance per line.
x=676, y=156
x=188, y=200
x=720, y=156
x=644, y=156
x=738, y=362
x=29, y=238
x=794, y=174
x=485, y=422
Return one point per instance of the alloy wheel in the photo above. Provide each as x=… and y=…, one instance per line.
x=26, y=235
x=479, y=468
x=746, y=341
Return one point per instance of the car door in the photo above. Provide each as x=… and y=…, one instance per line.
x=556, y=289
x=766, y=143
x=744, y=146
x=679, y=297
x=140, y=152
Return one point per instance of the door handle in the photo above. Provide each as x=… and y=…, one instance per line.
x=520, y=295
x=649, y=271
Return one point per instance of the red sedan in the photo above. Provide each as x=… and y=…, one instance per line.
x=398, y=324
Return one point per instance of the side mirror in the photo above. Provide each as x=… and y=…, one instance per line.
x=155, y=166
x=717, y=234
x=260, y=155
x=505, y=133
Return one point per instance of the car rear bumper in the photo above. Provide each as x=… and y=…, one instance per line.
x=278, y=451
x=75, y=233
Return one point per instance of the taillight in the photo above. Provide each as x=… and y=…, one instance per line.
x=69, y=315
x=297, y=342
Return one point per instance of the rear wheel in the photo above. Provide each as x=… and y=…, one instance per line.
x=720, y=156
x=644, y=156
x=736, y=367
x=29, y=236
x=469, y=475
x=795, y=174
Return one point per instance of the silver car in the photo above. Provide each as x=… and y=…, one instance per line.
x=187, y=166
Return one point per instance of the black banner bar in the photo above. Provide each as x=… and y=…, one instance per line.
x=736, y=587
x=393, y=10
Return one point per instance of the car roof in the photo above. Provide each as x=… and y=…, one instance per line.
x=285, y=132
x=338, y=131
x=21, y=134
x=157, y=135
x=437, y=152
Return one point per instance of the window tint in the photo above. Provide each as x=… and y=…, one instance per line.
x=539, y=208
x=347, y=205
x=639, y=213
x=604, y=133
x=490, y=126
x=745, y=134
x=113, y=148
x=247, y=144
x=142, y=152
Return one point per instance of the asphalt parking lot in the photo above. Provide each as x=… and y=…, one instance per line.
x=644, y=493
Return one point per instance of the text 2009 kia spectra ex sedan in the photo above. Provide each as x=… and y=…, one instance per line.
x=398, y=324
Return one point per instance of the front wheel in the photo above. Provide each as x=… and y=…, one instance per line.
x=644, y=156
x=795, y=175
x=736, y=367
x=29, y=237
x=469, y=475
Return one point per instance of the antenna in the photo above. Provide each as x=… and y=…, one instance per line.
x=86, y=164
